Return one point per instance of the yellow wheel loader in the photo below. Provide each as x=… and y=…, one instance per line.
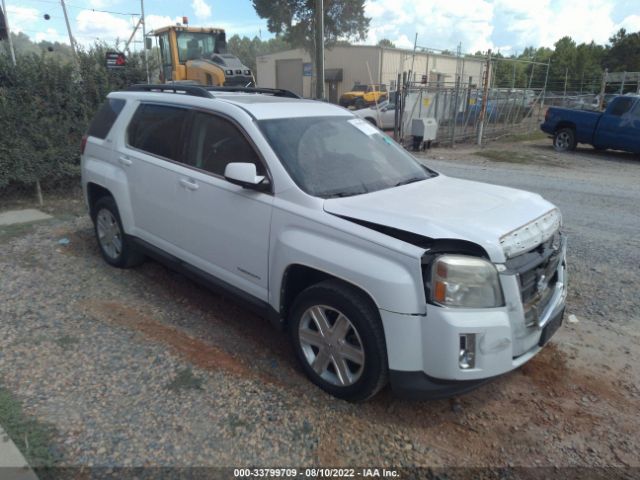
x=199, y=55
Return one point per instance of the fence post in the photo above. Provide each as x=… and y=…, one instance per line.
x=605, y=74
x=485, y=98
x=397, y=111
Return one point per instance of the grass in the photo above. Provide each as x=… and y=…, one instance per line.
x=67, y=341
x=526, y=137
x=185, y=380
x=32, y=437
x=9, y=232
x=508, y=156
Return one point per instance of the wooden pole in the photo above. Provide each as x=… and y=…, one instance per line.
x=485, y=98
x=6, y=23
x=319, y=49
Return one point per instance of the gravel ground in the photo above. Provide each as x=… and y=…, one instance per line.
x=145, y=368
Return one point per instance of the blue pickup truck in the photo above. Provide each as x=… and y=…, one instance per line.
x=617, y=128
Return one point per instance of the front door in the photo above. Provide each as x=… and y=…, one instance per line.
x=228, y=225
x=616, y=127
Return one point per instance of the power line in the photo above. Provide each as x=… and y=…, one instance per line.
x=76, y=7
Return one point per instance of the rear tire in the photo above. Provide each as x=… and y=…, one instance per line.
x=338, y=337
x=116, y=247
x=564, y=140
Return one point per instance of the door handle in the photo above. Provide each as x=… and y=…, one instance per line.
x=188, y=183
x=125, y=160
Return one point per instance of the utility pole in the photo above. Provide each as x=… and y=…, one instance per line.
x=319, y=50
x=566, y=79
x=71, y=39
x=144, y=41
x=544, y=89
x=6, y=22
x=133, y=34
x=485, y=98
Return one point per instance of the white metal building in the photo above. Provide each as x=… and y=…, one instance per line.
x=349, y=65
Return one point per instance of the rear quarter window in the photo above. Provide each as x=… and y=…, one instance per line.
x=105, y=118
x=157, y=129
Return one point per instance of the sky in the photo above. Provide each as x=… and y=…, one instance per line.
x=507, y=26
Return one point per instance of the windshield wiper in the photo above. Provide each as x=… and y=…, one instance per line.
x=409, y=180
x=343, y=194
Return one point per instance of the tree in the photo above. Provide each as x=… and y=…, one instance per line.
x=247, y=49
x=386, y=43
x=624, y=53
x=295, y=20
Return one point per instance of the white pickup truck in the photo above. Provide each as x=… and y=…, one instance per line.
x=382, y=270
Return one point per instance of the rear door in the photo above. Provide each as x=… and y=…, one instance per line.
x=152, y=156
x=618, y=126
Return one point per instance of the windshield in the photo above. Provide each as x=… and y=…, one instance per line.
x=359, y=88
x=340, y=156
x=193, y=46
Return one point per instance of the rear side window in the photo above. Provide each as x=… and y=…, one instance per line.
x=622, y=106
x=105, y=118
x=157, y=129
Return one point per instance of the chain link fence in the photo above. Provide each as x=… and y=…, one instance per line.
x=508, y=112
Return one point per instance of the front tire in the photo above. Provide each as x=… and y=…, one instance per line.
x=338, y=337
x=115, y=246
x=564, y=140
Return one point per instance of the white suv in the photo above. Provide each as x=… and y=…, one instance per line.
x=382, y=269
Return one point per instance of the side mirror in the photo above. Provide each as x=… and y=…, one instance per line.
x=245, y=175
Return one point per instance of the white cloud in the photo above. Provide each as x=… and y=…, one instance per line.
x=630, y=23
x=91, y=26
x=438, y=23
x=21, y=18
x=547, y=22
x=51, y=35
x=159, y=21
x=508, y=25
x=201, y=8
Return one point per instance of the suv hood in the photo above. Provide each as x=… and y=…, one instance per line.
x=444, y=207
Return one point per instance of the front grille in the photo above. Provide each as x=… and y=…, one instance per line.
x=537, y=276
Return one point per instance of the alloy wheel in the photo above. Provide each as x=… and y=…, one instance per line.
x=109, y=234
x=331, y=345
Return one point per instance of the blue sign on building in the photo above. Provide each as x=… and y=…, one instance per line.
x=307, y=69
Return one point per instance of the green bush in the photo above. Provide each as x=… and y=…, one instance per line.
x=45, y=107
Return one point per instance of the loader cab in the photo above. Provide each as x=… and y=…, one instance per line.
x=199, y=55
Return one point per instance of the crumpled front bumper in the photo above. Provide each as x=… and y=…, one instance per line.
x=423, y=351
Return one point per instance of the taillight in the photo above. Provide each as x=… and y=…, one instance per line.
x=547, y=115
x=83, y=144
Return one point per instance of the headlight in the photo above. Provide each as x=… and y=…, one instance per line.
x=228, y=72
x=462, y=281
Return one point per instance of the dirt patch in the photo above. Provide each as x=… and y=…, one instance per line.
x=199, y=353
x=517, y=156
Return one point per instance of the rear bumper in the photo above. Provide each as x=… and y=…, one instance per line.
x=546, y=128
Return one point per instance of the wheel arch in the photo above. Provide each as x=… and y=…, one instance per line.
x=565, y=124
x=94, y=193
x=297, y=277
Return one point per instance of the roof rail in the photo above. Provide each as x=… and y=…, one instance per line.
x=192, y=90
x=276, y=92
